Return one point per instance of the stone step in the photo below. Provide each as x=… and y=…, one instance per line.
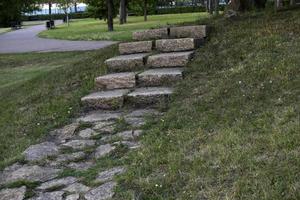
x=199, y=31
x=175, y=59
x=150, y=34
x=160, y=77
x=149, y=96
x=183, y=44
x=116, y=81
x=127, y=62
x=136, y=47
x=112, y=99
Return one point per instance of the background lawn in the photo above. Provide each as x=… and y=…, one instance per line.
x=42, y=91
x=91, y=29
x=4, y=30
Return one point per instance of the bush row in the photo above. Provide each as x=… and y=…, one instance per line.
x=55, y=16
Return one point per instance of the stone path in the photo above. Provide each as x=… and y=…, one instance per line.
x=26, y=40
x=140, y=82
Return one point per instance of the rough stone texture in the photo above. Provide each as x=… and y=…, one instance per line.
x=65, y=158
x=103, y=150
x=73, y=197
x=57, y=183
x=100, y=125
x=50, y=196
x=135, y=47
x=88, y=133
x=143, y=113
x=175, y=59
x=105, y=100
x=40, y=151
x=79, y=144
x=160, y=77
x=116, y=81
x=107, y=129
x=29, y=173
x=13, y=194
x=129, y=144
x=65, y=133
x=171, y=45
x=103, y=192
x=108, y=175
x=129, y=135
x=100, y=116
x=136, y=122
x=76, y=188
x=150, y=34
x=81, y=166
x=147, y=96
x=127, y=62
x=188, y=31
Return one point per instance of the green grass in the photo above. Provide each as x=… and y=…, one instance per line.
x=4, y=30
x=40, y=92
x=232, y=131
x=92, y=29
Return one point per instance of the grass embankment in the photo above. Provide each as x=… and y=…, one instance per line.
x=92, y=29
x=232, y=131
x=42, y=91
x=4, y=30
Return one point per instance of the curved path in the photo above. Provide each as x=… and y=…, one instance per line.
x=26, y=40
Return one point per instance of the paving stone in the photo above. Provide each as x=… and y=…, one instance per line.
x=108, y=175
x=100, y=125
x=116, y=81
x=129, y=135
x=65, y=133
x=103, y=150
x=136, y=122
x=65, y=158
x=113, y=99
x=57, y=183
x=103, y=192
x=135, y=47
x=81, y=166
x=150, y=34
x=127, y=62
x=77, y=188
x=29, y=173
x=171, y=45
x=129, y=144
x=88, y=133
x=100, y=116
x=160, y=77
x=174, y=59
x=149, y=96
x=142, y=113
x=199, y=31
x=41, y=151
x=58, y=195
x=79, y=144
x=73, y=197
x=13, y=194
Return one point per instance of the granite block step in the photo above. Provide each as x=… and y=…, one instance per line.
x=171, y=45
x=160, y=77
x=136, y=47
x=174, y=59
x=151, y=34
x=199, y=31
x=116, y=81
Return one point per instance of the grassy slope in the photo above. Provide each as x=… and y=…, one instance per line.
x=41, y=91
x=232, y=131
x=4, y=30
x=91, y=29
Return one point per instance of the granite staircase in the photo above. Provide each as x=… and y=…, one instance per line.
x=147, y=69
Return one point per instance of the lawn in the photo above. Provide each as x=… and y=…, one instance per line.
x=42, y=91
x=232, y=131
x=4, y=30
x=92, y=29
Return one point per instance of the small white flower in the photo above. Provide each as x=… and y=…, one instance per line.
x=156, y=185
x=38, y=124
x=271, y=81
x=240, y=82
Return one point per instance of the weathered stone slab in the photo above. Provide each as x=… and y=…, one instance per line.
x=103, y=192
x=129, y=144
x=13, y=194
x=73, y=197
x=199, y=31
x=88, y=133
x=79, y=144
x=81, y=166
x=65, y=158
x=136, y=122
x=50, y=196
x=100, y=116
x=127, y=62
x=150, y=34
x=57, y=183
x=108, y=175
x=149, y=96
x=116, y=81
x=160, y=77
x=135, y=47
x=76, y=188
x=41, y=151
x=103, y=150
x=105, y=100
x=65, y=133
x=29, y=173
x=103, y=125
x=171, y=45
x=143, y=113
x=176, y=59
x=129, y=135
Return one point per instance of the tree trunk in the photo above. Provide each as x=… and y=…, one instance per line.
x=122, y=11
x=125, y=11
x=292, y=2
x=278, y=4
x=50, y=10
x=216, y=7
x=145, y=10
x=75, y=7
x=110, y=22
x=210, y=6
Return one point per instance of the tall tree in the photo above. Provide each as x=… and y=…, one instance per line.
x=123, y=11
x=110, y=15
x=145, y=10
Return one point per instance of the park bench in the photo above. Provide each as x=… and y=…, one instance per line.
x=15, y=25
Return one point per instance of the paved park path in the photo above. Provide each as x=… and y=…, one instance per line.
x=26, y=40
